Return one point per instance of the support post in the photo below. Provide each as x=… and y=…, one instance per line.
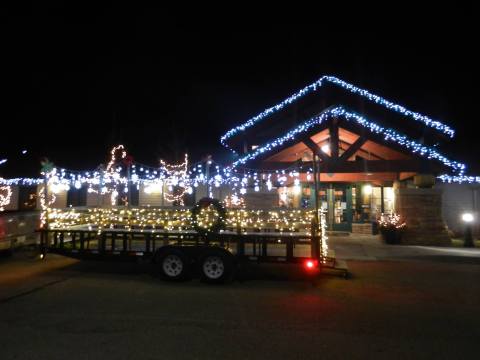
x=129, y=181
x=45, y=193
x=382, y=200
x=333, y=129
x=207, y=174
x=315, y=245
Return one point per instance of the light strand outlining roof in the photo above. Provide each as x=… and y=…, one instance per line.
x=389, y=135
x=353, y=89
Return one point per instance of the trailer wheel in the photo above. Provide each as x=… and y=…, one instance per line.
x=174, y=265
x=216, y=266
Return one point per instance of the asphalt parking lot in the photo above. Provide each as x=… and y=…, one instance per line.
x=64, y=308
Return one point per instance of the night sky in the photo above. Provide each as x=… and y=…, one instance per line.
x=77, y=81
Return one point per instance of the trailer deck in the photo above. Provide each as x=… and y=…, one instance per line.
x=274, y=247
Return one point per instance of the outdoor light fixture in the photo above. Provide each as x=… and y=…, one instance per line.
x=367, y=189
x=467, y=217
x=389, y=194
x=325, y=148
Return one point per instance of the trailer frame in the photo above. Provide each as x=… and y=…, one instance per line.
x=127, y=245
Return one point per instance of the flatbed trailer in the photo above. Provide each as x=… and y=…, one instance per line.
x=179, y=253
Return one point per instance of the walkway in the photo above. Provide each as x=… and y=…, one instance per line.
x=370, y=247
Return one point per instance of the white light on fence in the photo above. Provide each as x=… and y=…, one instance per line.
x=467, y=217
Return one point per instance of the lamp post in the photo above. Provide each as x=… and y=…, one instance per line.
x=468, y=218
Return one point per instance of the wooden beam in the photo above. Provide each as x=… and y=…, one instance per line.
x=363, y=153
x=362, y=166
x=315, y=149
x=377, y=138
x=333, y=129
x=352, y=149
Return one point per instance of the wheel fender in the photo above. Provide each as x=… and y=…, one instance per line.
x=160, y=251
x=216, y=251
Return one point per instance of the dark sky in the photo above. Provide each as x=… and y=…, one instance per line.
x=77, y=81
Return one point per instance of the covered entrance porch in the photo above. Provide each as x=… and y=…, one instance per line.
x=351, y=205
x=345, y=170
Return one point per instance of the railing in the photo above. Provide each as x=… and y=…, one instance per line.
x=269, y=247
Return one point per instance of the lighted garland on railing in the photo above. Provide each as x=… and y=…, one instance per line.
x=157, y=219
x=349, y=87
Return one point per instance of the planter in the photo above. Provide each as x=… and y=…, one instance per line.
x=391, y=237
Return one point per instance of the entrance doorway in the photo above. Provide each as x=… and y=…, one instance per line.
x=336, y=198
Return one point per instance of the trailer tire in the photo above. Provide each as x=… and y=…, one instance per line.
x=216, y=266
x=174, y=265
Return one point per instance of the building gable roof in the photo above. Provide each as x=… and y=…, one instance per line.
x=349, y=89
x=389, y=135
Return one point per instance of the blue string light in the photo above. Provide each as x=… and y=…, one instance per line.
x=389, y=135
x=21, y=181
x=435, y=124
x=232, y=174
x=459, y=179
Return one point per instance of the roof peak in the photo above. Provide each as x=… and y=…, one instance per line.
x=435, y=124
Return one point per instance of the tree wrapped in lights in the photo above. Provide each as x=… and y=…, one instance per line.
x=47, y=198
x=177, y=179
x=112, y=174
x=323, y=233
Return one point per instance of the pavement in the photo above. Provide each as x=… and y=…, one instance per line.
x=415, y=305
x=371, y=248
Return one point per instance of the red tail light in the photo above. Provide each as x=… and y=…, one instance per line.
x=311, y=264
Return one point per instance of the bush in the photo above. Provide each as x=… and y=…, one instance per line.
x=391, y=227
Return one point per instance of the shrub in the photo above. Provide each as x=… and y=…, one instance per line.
x=391, y=227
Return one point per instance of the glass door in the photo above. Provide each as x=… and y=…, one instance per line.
x=336, y=199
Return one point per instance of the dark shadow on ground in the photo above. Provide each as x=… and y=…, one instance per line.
x=245, y=272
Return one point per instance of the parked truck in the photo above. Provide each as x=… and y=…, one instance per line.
x=18, y=228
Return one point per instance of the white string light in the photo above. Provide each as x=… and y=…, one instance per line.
x=5, y=196
x=177, y=178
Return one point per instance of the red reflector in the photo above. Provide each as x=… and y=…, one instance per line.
x=311, y=264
